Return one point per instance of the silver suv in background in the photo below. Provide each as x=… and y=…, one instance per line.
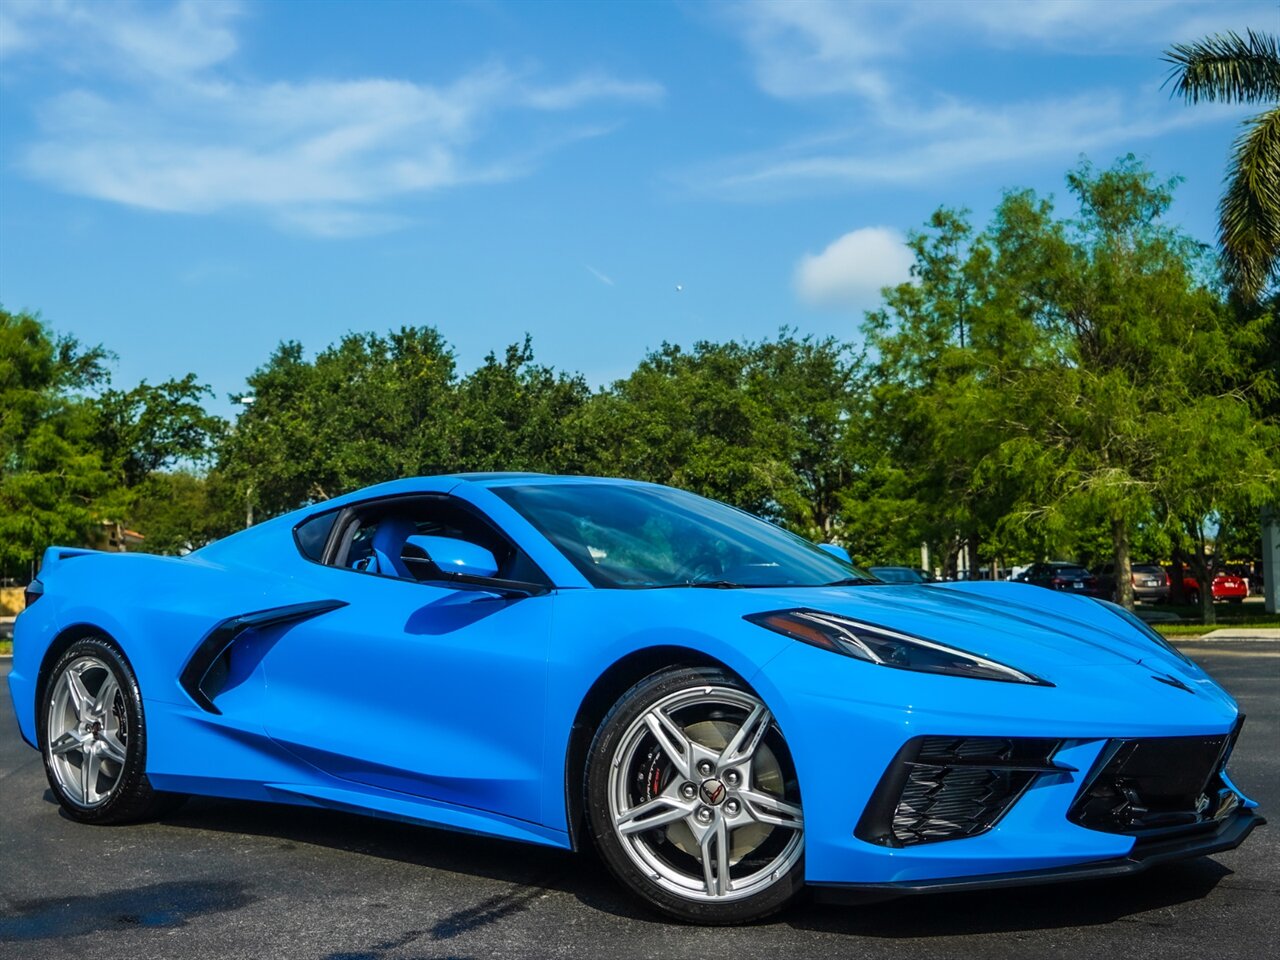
x=1150, y=582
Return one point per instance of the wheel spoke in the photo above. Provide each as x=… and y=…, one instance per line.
x=766, y=808
x=744, y=743
x=66, y=743
x=106, y=694
x=81, y=701
x=715, y=867
x=89, y=775
x=652, y=813
x=672, y=739
x=112, y=748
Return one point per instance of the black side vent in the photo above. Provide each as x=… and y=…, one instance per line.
x=206, y=669
x=947, y=788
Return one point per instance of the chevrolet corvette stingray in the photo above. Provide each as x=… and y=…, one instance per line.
x=728, y=713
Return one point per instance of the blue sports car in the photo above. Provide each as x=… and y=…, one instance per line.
x=727, y=712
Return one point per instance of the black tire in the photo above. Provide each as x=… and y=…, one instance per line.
x=131, y=797
x=613, y=736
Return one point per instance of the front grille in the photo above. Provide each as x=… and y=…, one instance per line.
x=1156, y=785
x=948, y=788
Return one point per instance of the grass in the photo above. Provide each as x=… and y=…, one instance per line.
x=6, y=648
x=1228, y=615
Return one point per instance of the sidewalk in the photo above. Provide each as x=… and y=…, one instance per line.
x=1241, y=633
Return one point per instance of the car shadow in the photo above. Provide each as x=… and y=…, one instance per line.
x=535, y=870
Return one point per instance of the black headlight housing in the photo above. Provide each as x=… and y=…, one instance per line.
x=885, y=647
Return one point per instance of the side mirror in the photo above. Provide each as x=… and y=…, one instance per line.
x=837, y=551
x=455, y=556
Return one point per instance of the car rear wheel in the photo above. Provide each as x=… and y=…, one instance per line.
x=693, y=801
x=93, y=738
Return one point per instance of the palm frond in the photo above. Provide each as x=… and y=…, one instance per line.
x=1226, y=67
x=1249, y=214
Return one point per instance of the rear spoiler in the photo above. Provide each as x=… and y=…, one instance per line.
x=53, y=555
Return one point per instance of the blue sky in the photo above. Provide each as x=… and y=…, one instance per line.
x=191, y=183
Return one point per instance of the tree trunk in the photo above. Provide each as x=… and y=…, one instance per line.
x=951, y=561
x=975, y=565
x=1177, y=592
x=1123, y=563
x=1271, y=558
x=1204, y=577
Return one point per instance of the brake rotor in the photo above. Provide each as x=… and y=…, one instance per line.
x=767, y=778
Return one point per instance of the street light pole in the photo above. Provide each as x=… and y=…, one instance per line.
x=247, y=400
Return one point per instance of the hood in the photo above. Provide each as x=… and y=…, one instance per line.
x=1027, y=627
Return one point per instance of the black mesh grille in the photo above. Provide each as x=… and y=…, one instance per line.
x=947, y=788
x=1156, y=785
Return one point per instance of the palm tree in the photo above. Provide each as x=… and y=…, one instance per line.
x=1238, y=69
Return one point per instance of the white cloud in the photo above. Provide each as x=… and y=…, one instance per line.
x=591, y=87
x=323, y=156
x=853, y=268
x=122, y=37
x=602, y=277
x=858, y=59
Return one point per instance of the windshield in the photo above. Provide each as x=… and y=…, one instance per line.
x=897, y=574
x=620, y=535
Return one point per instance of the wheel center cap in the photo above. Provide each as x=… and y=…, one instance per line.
x=712, y=791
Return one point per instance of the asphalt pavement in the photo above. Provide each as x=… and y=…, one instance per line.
x=233, y=879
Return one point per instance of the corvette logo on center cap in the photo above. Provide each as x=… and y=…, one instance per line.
x=713, y=791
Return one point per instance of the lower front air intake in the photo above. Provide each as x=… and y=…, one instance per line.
x=948, y=788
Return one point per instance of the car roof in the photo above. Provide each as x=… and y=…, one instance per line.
x=501, y=479
x=443, y=483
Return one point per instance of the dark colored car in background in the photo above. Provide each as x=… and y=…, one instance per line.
x=899, y=574
x=1060, y=575
x=1150, y=582
x=1226, y=586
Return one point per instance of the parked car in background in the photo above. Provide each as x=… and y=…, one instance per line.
x=1226, y=586
x=1150, y=582
x=899, y=574
x=1061, y=575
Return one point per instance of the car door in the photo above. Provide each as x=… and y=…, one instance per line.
x=416, y=687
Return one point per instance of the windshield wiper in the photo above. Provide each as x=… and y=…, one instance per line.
x=852, y=582
x=704, y=584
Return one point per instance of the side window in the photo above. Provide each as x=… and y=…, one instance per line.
x=313, y=533
x=377, y=543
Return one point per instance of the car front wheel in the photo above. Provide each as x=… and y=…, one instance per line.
x=693, y=800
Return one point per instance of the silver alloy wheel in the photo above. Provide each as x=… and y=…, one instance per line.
x=87, y=731
x=712, y=738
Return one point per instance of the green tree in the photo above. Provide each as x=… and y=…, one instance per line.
x=1046, y=382
x=367, y=409
x=763, y=426
x=181, y=510
x=1237, y=69
x=1146, y=346
x=51, y=472
x=151, y=428
x=932, y=391
x=512, y=414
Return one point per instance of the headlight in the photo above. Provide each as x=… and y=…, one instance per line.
x=1144, y=628
x=885, y=648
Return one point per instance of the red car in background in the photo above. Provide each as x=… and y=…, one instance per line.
x=1226, y=586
